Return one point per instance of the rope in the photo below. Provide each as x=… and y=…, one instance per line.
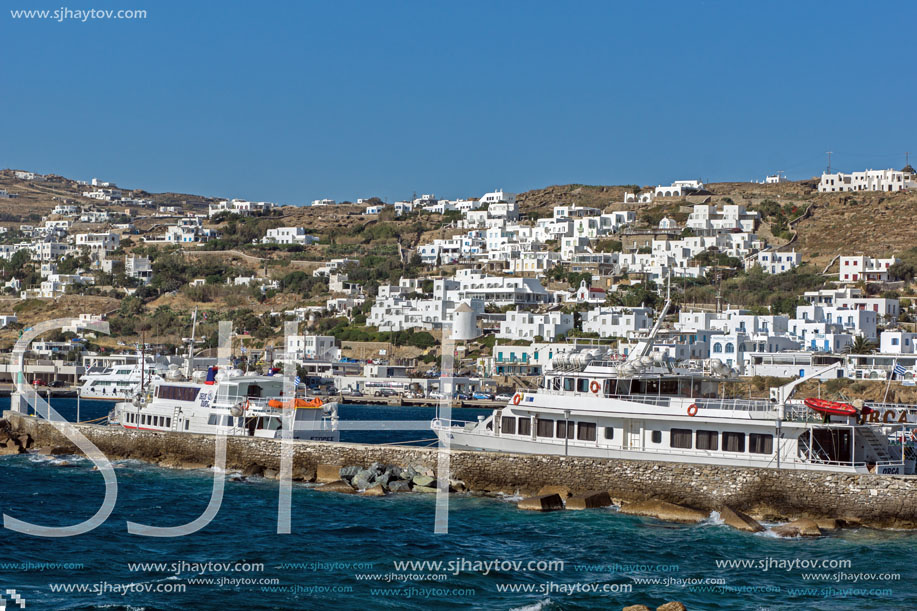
x=398, y=443
x=91, y=421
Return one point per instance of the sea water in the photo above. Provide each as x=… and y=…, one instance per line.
x=353, y=552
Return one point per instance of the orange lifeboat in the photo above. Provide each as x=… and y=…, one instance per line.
x=835, y=408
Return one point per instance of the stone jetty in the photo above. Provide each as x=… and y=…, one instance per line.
x=762, y=494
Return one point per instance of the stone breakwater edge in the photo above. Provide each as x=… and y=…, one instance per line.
x=809, y=501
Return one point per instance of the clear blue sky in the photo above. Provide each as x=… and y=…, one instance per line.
x=294, y=101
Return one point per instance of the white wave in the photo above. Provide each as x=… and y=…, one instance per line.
x=541, y=604
x=509, y=498
x=714, y=519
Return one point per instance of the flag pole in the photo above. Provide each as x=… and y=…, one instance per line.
x=891, y=375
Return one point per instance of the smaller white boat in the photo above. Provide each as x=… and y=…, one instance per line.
x=227, y=402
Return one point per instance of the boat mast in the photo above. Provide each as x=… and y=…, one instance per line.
x=191, y=343
x=643, y=348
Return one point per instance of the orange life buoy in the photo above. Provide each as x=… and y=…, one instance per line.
x=517, y=398
x=595, y=386
x=692, y=409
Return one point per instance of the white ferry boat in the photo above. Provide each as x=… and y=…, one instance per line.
x=644, y=408
x=227, y=402
x=119, y=382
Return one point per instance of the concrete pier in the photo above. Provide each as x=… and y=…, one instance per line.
x=874, y=500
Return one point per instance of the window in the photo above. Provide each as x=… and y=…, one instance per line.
x=187, y=424
x=680, y=438
x=582, y=385
x=177, y=393
x=586, y=431
x=760, y=444
x=707, y=440
x=607, y=389
x=733, y=442
x=508, y=425
x=563, y=430
x=568, y=384
x=609, y=432
x=214, y=419
x=545, y=428
x=717, y=347
x=525, y=426
x=656, y=437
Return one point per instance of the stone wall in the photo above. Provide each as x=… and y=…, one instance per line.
x=877, y=500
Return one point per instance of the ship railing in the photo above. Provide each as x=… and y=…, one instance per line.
x=444, y=423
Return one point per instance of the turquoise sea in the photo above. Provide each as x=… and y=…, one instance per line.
x=349, y=552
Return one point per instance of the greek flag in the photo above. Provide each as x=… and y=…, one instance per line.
x=899, y=370
x=297, y=381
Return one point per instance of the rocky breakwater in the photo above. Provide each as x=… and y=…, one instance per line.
x=775, y=495
x=380, y=479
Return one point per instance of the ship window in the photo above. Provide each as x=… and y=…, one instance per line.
x=707, y=440
x=680, y=438
x=525, y=426
x=545, y=428
x=508, y=425
x=733, y=442
x=555, y=383
x=609, y=432
x=187, y=423
x=760, y=444
x=168, y=423
x=568, y=384
x=563, y=430
x=623, y=387
x=582, y=385
x=177, y=393
x=656, y=437
x=586, y=431
x=606, y=388
x=213, y=420
x=670, y=386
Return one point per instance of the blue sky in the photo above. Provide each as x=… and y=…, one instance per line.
x=294, y=101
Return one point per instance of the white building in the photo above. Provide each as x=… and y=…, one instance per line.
x=520, y=324
x=870, y=180
x=773, y=262
x=138, y=267
x=98, y=242
x=312, y=347
x=288, y=235
x=679, y=188
x=867, y=269
x=617, y=322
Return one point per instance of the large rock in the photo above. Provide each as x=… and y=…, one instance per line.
x=376, y=490
x=395, y=472
x=424, y=480
x=672, y=606
x=545, y=502
x=383, y=479
x=399, y=485
x=347, y=473
x=563, y=491
x=338, y=486
x=253, y=469
x=739, y=520
x=363, y=479
x=830, y=523
x=428, y=489
x=422, y=470
x=798, y=528
x=25, y=440
x=590, y=500
x=668, y=512
x=325, y=474
x=636, y=608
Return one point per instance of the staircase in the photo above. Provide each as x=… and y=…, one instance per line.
x=874, y=440
x=176, y=412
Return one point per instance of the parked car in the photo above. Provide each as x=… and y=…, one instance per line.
x=436, y=395
x=461, y=396
x=385, y=392
x=57, y=384
x=483, y=396
x=353, y=393
x=37, y=382
x=503, y=397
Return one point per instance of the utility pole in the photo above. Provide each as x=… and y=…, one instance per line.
x=829, y=162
